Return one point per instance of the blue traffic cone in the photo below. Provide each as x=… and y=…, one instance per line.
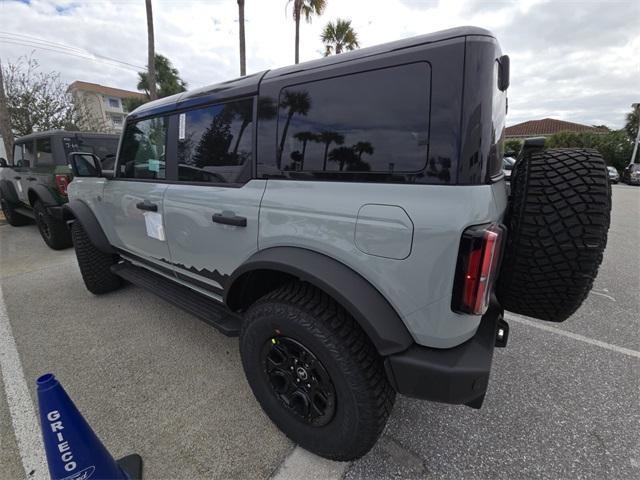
x=74, y=452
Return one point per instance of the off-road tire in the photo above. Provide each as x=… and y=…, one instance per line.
x=54, y=232
x=364, y=397
x=557, y=220
x=13, y=218
x=95, y=266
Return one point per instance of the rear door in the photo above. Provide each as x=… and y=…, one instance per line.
x=211, y=210
x=131, y=206
x=23, y=160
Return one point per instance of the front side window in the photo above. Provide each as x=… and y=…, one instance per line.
x=43, y=151
x=143, y=151
x=214, y=143
x=375, y=121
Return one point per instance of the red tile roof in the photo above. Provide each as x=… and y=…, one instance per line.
x=96, y=88
x=548, y=126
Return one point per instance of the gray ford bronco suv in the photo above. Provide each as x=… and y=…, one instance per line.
x=348, y=218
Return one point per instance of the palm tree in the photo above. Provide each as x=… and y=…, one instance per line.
x=297, y=102
x=151, y=64
x=339, y=36
x=308, y=8
x=328, y=137
x=363, y=147
x=343, y=156
x=305, y=137
x=243, y=55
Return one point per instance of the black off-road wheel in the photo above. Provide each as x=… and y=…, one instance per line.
x=558, y=219
x=54, y=232
x=315, y=372
x=95, y=266
x=13, y=218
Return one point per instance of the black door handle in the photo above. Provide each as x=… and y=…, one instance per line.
x=148, y=206
x=229, y=220
x=17, y=178
x=32, y=179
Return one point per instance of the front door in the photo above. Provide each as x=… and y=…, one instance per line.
x=211, y=210
x=131, y=208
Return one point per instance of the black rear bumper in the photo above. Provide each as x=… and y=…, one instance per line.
x=458, y=375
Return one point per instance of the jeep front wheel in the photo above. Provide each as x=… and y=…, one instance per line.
x=54, y=232
x=557, y=221
x=315, y=372
x=95, y=265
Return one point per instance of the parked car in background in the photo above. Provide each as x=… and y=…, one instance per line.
x=507, y=166
x=631, y=174
x=34, y=185
x=614, y=176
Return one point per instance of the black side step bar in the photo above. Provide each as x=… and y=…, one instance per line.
x=210, y=311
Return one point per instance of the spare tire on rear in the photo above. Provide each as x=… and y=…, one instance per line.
x=557, y=219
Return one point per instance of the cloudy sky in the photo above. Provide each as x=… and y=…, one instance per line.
x=574, y=60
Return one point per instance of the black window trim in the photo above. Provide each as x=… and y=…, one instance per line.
x=249, y=171
x=371, y=173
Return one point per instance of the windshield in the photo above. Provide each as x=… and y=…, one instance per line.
x=612, y=169
x=635, y=167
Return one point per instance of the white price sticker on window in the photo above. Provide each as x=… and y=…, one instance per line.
x=182, y=126
x=153, y=224
x=19, y=185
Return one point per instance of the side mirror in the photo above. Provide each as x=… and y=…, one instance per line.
x=3, y=163
x=85, y=164
x=503, y=72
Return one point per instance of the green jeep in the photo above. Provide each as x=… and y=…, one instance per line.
x=34, y=184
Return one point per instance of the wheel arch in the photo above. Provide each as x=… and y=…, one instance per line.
x=272, y=267
x=40, y=192
x=77, y=210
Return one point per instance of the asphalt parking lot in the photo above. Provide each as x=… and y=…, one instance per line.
x=563, y=402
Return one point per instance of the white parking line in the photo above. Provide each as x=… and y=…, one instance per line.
x=23, y=414
x=575, y=336
x=303, y=464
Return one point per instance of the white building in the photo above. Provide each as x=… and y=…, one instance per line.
x=105, y=105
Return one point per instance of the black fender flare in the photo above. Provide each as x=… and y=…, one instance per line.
x=41, y=192
x=362, y=300
x=79, y=211
x=8, y=191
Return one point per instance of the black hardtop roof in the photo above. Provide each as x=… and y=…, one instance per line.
x=249, y=84
x=63, y=133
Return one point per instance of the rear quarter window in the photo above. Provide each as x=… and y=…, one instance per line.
x=373, y=122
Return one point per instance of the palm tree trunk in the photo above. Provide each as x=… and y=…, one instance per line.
x=243, y=57
x=5, y=121
x=151, y=64
x=244, y=125
x=304, y=149
x=284, y=136
x=326, y=151
x=296, y=18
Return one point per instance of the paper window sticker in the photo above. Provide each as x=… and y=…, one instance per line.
x=182, y=123
x=153, y=224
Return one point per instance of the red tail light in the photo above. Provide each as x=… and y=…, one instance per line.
x=477, y=267
x=62, y=181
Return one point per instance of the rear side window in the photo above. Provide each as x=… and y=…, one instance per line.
x=376, y=121
x=215, y=142
x=143, y=151
x=43, y=151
